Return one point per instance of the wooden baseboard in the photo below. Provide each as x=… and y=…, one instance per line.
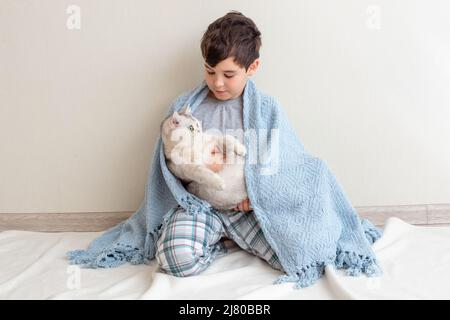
x=62, y=222
x=420, y=214
x=426, y=214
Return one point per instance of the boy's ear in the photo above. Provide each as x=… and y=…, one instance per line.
x=186, y=109
x=253, y=67
x=174, y=120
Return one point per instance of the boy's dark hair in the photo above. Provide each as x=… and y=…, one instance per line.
x=233, y=35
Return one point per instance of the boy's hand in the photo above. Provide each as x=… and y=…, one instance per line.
x=244, y=206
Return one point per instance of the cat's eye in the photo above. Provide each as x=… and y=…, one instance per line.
x=191, y=127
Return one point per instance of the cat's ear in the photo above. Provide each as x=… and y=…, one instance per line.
x=174, y=120
x=186, y=109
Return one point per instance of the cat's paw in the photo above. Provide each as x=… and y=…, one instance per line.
x=240, y=149
x=217, y=182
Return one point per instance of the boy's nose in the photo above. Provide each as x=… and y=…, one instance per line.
x=218, y=83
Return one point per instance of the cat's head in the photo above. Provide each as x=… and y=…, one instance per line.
x=183, y=122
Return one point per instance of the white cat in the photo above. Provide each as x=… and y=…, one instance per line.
x=188, y=151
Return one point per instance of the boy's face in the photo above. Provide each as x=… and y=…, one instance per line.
x=227, y=79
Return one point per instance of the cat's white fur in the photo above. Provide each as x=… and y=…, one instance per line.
x=188, y=151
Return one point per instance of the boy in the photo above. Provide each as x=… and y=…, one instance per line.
x=308, y=220
x=189, y=243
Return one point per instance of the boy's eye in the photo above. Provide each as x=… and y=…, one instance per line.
x=191, y=127
x=226, y=76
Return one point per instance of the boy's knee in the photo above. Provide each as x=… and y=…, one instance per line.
x=180, y=254
x=179, y=260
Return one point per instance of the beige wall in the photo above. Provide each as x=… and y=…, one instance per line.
x=367, y=89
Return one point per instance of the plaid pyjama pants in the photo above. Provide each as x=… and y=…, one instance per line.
x=188, y=244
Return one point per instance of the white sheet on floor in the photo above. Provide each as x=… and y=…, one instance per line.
x=415, y=260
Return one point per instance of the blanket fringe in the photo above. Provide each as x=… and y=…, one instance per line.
x=110, y=258
x=355, y=264
x=305, y=276
x=194, y=205
x=371, y=232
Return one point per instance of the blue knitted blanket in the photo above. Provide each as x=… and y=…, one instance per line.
x=301, y=207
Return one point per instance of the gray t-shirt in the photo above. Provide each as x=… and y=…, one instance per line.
x=225, y=116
